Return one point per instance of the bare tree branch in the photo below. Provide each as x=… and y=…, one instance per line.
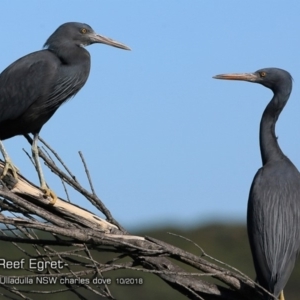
x=73, y=236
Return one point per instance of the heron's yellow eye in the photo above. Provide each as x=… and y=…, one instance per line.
x=262, y=74
x=83, y=30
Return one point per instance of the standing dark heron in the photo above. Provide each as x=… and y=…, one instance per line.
x=34, y=86
x=273, y=217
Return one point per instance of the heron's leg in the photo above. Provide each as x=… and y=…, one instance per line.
x=8, y=163
x=281, y=297
x=35, y=154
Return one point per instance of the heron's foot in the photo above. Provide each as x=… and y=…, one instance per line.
x=281, y=297
x=50, y=194
x=10, y=166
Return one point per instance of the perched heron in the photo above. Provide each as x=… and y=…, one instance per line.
x=273, y=217
x=33, y=87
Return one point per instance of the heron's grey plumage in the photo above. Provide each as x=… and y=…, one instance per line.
x=273, y=217
x=33, y=87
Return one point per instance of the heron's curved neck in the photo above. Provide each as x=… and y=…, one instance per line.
x=269, y=147
x=71, y=54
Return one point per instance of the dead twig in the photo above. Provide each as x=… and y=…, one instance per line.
x=74, y=236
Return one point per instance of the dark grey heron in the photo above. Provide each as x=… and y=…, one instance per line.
x=33, y=87
x=273, y=217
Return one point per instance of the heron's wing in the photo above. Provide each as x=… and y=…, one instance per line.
x=26, y=81
x=274, y=224
x=66, y=85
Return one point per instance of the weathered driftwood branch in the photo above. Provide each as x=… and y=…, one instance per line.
x=25, y=213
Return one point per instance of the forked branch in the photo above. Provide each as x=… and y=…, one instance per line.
x=72, y=237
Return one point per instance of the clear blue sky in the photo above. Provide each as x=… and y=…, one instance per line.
x=165, y=143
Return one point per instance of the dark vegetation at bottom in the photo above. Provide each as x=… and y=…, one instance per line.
x=227, y=243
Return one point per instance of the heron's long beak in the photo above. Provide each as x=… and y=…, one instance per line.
x=96, y=38
x=241, y=76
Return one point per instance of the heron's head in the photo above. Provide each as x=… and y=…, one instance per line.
x=277, y=80
x=79, y=34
